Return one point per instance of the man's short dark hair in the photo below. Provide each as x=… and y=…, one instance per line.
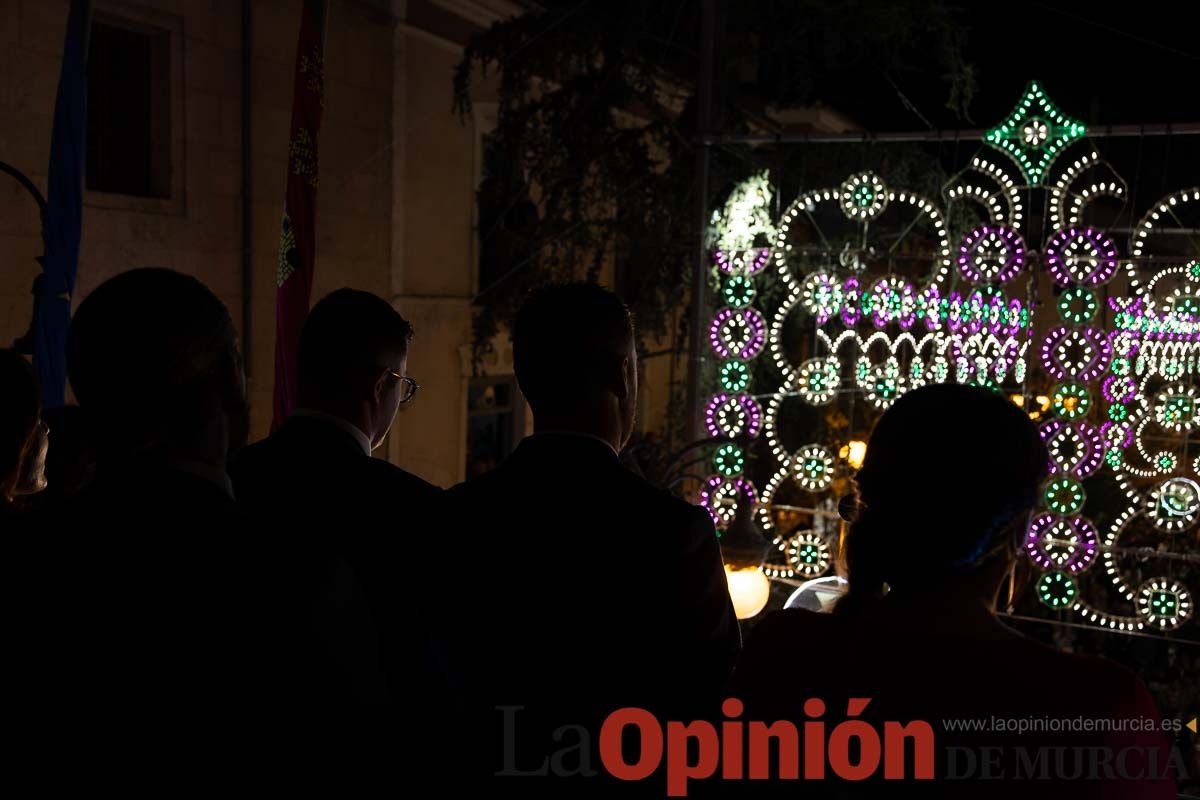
x=346, y=338
x=562, y=337
x=148, y=354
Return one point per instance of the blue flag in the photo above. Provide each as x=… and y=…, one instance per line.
x=64, y=211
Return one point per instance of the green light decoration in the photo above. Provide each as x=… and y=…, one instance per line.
x=1035, y=133
x=729, y=460
x=1113, y=458
x=808, y=553
x=1077, y=305
x=739, y=291
x=1164, y=604
x=1193, y=270
x=1117, y=412
x=1071, y=400
x=1064, y=496
x=735, y=376
x=1057, y=590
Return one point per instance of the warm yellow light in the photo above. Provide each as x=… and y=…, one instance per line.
x=1043, y=401
x=1018, y=400
x=854, y=453
x=749, y=589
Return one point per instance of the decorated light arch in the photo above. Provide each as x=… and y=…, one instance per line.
x=1096, y=338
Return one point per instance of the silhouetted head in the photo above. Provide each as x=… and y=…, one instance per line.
x=574, y=357
x=353, y=349
x=950, y=476
x=153, y=358
x=20, y=411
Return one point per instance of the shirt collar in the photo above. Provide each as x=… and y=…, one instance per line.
x=353, y=430
x=205, y=472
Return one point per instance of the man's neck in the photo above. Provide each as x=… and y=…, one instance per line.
x=354, y=429
x=568, y=429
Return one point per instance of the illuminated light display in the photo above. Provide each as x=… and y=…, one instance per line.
x=1077, y=305
x=1071, y=400
x=739, y=291
x=732, y=415
x=817, y=380
x=738, y=333
x=729, y=460
x=1057, y=590
x=1077, y=353
x=808, y=554
x=1174, y=504
x=735, y=376
x=991, y=255
x=855, y=322
x=1081, y=255
x=1064, y=496
x=1076, y=448
x=863, y=196
x=1164, y=603
x=812, y=468
x=1061, y=543
x=721, y=495
x=1034, y=134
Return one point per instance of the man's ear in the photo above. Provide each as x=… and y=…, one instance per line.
x=620, y=380
x=380, y=389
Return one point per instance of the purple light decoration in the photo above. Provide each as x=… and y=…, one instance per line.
x=747, y=321
x=1093, y=340
x=882, y=294
x=725, y=263
x=930, y=301
x=954, y=311
x=1117, y=434
x=1119, y=389
x=1099, y=257
x=852, y=303
x=1013, y=326
x=1076, y=448
x=978, y=265
x=730, y=416
x=1074, y=557
x=713, y=490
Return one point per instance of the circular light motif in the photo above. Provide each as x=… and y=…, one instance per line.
x=739, y=291
x=892, y=300
x=1174, y=504
x=733, y=415
x=1057, y=590
x=1064, y=496
x=1071, y=400
x=742, y=262
x=882, y=384
x=1080, y=353
x=818, y=380
x=1077, y=305
x=1177, y=408
x=1061, y=543
x=1119, y=389
x=1076, y=448
x=821, y=295
x=738, y=333
x=1164, y=603
x=1081, y=255
x=863, y=196
x=1035, y=133
x=735, y=376
x=812, y=468
x=1116, y=433
x=1183, y=305
x=721, y=495
x=729, y=460
x=808, y=554
x=991, y=255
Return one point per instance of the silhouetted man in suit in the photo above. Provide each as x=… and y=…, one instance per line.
x=348, y=522
x=591, y=588
x=143, y=594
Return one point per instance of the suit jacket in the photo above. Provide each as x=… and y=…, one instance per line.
x=344, y=526
x=590, y=590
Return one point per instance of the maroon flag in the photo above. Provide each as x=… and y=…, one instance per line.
x=297, y=245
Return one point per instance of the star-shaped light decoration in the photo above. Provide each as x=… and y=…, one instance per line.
x=1035, y=133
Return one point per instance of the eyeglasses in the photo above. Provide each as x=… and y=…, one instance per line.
x=408, y=387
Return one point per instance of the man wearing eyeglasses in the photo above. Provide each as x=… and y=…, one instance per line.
x=315, y=486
